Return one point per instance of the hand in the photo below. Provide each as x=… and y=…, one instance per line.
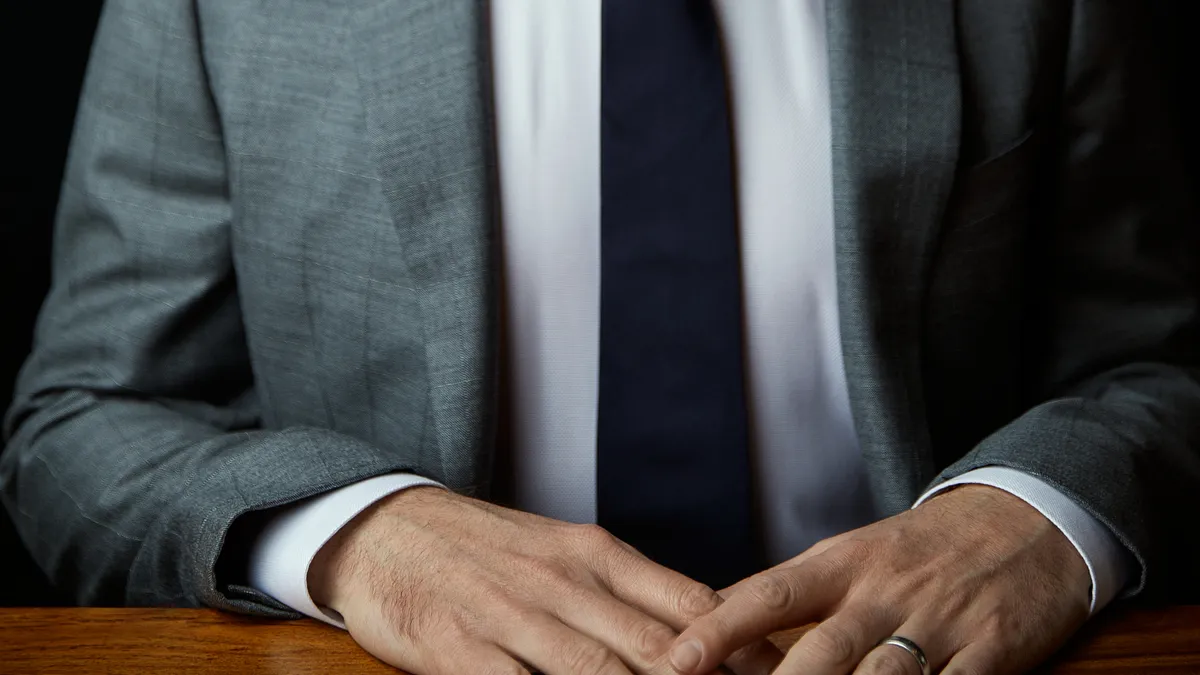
x=438, y=584
x=980, y=580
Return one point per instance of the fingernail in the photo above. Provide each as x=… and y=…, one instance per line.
x=685, y=657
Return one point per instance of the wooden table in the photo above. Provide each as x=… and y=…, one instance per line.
x=181, y=641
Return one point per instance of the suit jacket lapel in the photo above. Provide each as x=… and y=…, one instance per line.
x=423, y=72
x=896, y=124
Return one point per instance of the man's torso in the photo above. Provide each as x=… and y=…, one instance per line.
x=360, y=145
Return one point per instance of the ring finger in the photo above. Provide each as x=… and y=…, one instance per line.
x=469, y=657
x=642, y=640
x=554, y=648
x=890, y=658
x=839, y=643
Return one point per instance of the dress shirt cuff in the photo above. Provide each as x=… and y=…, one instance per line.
x=283, y=551
x=1107, y=560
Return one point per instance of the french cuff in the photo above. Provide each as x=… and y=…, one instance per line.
x=283, y=551
x=1106, y=559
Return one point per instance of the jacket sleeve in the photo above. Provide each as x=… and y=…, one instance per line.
x=132, y=441
x=1116, y=292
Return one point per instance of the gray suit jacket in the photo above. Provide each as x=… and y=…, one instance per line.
x=274, y=273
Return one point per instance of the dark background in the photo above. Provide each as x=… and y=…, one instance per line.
x=44, y=48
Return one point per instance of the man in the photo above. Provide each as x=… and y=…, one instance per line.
x=748, y=280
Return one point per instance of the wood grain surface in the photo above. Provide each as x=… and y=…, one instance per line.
x=185, y=641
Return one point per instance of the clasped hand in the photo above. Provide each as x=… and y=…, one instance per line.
x=976, y=577
x=439, y=584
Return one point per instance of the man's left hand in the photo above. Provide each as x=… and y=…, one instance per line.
x=977, y=578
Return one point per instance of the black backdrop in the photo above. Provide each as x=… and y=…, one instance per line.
x=44, y=47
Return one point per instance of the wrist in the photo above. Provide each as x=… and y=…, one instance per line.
x=1009, y=518
x=341, y=560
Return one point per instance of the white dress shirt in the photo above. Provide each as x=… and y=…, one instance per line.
x=812, y=478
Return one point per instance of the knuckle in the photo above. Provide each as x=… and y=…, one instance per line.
x=857, y=550
x=498, y=599
x=696, y=600
x=998, y=625
x=472, y=659
x=557, y=582
x=546, y=571
x=772, y=591
x=897, y=536
x=595, y=537
x=651, y=641
x=519, y=617
x=509, y=616
x=887, y=663
x=833, y=645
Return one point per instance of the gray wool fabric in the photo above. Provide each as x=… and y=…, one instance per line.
x=274, y=274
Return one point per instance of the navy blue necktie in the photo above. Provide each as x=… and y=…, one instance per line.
x=673, y=472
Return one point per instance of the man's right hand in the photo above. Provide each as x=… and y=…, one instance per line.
x=440, y=584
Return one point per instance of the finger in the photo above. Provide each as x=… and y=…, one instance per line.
x=553, y=648
x=816, y=550
x=888, y=658
x=658, y=591
x=641, y=641
x=675, y=600
x=758, y=657
x=839, y=643
x=451, y=653
x=472, y=657
x=812, y=552
x=766, y=603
